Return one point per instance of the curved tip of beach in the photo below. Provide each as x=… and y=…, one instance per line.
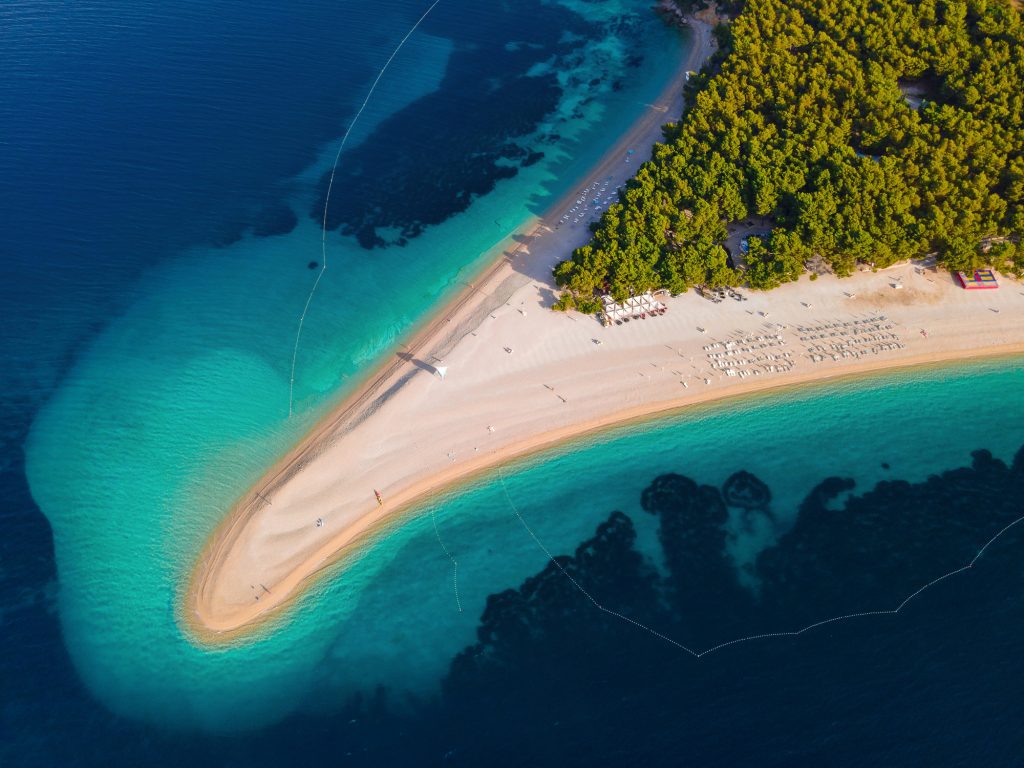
x=518, y=378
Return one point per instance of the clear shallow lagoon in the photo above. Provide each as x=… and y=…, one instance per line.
x=179, y=398
x=149, y=339
x=911, y=421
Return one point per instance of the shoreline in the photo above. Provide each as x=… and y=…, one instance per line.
x=421, y=333
x=522, y=382
x=333, y=557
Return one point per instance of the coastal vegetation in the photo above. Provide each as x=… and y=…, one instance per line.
x=862, y=131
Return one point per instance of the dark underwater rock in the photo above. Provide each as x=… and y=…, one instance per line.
x=745, y=491
x=532, y=159
x=275, y=219
x=429, y=161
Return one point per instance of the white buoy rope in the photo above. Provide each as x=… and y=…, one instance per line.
x=327, y=200
x=451, y=557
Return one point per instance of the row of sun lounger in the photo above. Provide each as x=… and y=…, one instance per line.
x=842, y=324
x=859, y=341
x=773, y=341
x=850, y=333
x=743, y=351
x=745, y=372
x=759, y=360
x=851, y=353
x=597, y=203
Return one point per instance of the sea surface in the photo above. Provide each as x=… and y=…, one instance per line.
x=164, y=171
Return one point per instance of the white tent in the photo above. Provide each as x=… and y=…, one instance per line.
x=631, y=307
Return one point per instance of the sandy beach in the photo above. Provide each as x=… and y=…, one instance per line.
x=519, y=378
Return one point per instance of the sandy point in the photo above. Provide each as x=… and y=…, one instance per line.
x=519, y=378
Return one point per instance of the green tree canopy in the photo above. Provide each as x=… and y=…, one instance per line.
x=809, y=117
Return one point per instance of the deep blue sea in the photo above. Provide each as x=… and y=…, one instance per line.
x=163, y=173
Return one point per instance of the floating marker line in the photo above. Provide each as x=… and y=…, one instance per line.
x=450, y=556
x=327, y=200
x=764, y=635
x=576, y=584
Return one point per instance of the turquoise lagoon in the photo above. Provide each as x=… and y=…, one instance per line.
x=906, y=424
x=182, y=400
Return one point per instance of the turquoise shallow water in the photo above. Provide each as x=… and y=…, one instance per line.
x=392, y=615
x=145, y=384
x=182, y=399
x=917, y=421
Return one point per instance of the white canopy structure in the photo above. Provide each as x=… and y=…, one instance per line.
x=634, y=306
